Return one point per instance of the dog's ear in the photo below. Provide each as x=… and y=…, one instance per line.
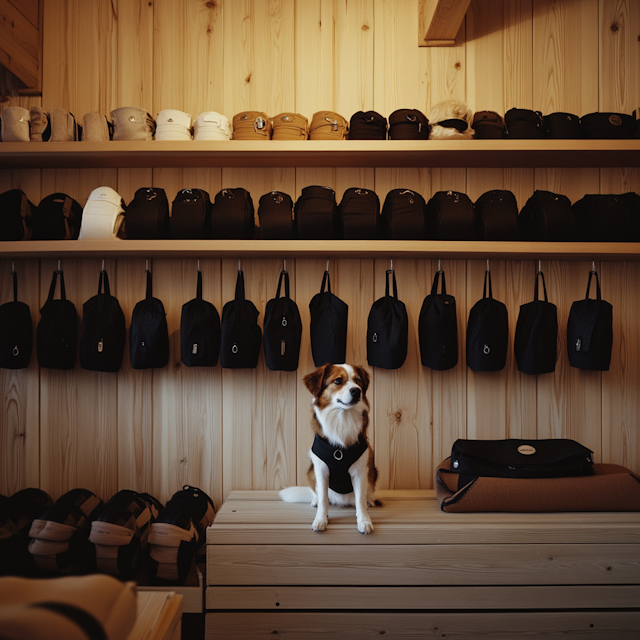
x=364, y=376
x=313, y=381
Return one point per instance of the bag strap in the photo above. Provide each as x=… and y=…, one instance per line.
x=240, y=287
x=52, y=288
x=104, y=278
x=395, y=286
x=149, y=285
x=286, y=284
x=325, y=281
x=199, y=286
x=594, y=273
x=434, y=286
x=544, y=287
x=487, y=278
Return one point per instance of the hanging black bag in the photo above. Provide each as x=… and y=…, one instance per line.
x=497, y=216
x=590, y=331
x=438, y=328
x=536, y=340
x=388, y=329
x=16, y=215
x=103, y=330
x=149, y=333
x=317, y=214
x=275, y=212
x=57, y=217
x=16, y=332
x=487, y=332
x=282, y=330
x=199, y=331
x=233, y=215
x=359, y=212
x=547, y=217
x=241, y=334
x=328, y=326
x=191, y=215
x=147, y=216
x=57, y=331
x=450, y=215
x=403, y=216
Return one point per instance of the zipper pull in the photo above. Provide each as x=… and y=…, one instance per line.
x=578, y=344
x=100, y=345
x=282, y=347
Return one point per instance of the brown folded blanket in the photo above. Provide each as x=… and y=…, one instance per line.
x=610, y=488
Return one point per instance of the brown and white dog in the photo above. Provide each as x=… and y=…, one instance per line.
x=342, y=470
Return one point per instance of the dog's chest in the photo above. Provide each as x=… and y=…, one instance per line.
x=339, y=459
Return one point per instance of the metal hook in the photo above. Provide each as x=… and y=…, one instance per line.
x=284, y=265
x=439, y=267
x=391, y=268
x=59, y=265
x=103, y=264
x=488, y=270
x=198, y=265
x=327, y=269
x=239, y=264
x=146, y=265
x=13, y=267
x=593, y=266
x=539, y=266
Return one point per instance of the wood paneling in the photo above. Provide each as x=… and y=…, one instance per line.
x=230, y=429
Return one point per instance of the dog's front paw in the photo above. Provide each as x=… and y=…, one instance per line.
x=320, y=524
x=365, y=526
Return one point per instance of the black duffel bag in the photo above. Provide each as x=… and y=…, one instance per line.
x=514, y=458
x=317, y=214
x=403, y=216
x=408, y=124
x=608, y=126
x=359, y=211
x=563, y=126
x=275, y=212
x=57, y=217
x=233, y=215
x=16, y=215
x=450, y=215
x=191, y=215
x=367, y=125
x=497, y=216
x=602, y=218
x=523, y=124
x=547, y=217
x=147, y=216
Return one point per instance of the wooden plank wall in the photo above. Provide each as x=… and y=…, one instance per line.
x=248, y=429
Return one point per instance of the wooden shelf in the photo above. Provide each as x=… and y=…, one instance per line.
x=345, y=249
x=321, y=153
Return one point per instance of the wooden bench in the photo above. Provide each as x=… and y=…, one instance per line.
x=422, y=573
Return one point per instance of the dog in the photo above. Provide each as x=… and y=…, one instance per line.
x=451, y=120
x=342, y=470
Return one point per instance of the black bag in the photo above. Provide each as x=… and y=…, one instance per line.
x=487, y=332
x=536, y=340
x=632, y=200
x=328, y=326
x=388, y=329
x=408, y=124
x=514, y=458
x=199, y=331
x=602, y=218
x=611, y=126
x=103, y=330
x=57, y=217
x=590, y=331
x=233, y=216
x=359, y=212
x=16, y=332
x=438, y=328
x=497, y=216
x=191, y=215
x=241, y=334
x=149, y=333
x=16, y=216
x=275, y=212
x=147, y=216
x=562, y=126
x=450, y=215
x=488, y=125
x=523, y=124
x=282, y=330
x=403, y=216
x=367, y=125
x=317, y=214
x=547, y=217
x=57, y=332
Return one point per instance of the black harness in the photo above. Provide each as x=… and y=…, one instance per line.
x=339, y=459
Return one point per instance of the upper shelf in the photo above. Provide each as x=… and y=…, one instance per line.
x=322, y=153
x=344, y=249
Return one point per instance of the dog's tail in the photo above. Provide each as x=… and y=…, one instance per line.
x=296, y=494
